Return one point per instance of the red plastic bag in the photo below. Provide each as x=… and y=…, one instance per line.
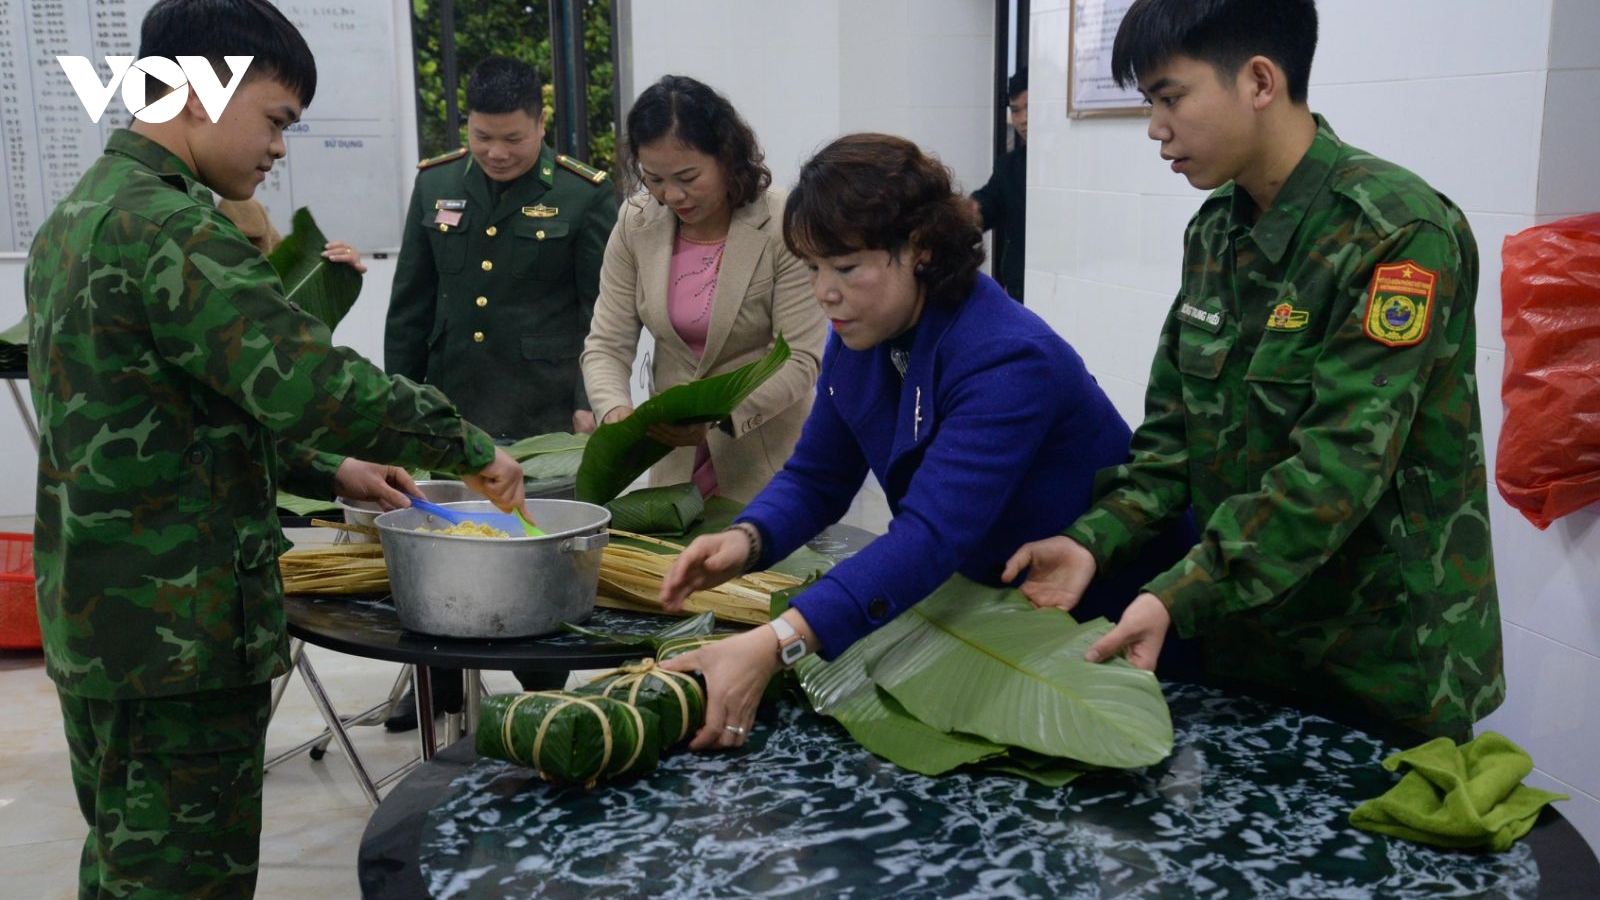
x=1549, y=458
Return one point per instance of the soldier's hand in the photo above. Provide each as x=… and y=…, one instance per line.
x=387, y=486
x=1059, y=570
x=501, y=481
x=582, y=421
x=1139, y=633
x=617, y=414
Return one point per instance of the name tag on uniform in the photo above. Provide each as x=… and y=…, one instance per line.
x=450, y=204
x=1210, y=320
x=540, y=212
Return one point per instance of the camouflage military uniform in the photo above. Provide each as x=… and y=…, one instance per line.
x=169, y=375
x=1313, y=397
x=495, y=288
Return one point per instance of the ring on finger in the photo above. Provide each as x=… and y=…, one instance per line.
x=734, y=729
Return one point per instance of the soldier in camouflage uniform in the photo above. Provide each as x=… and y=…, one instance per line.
x=175, y=389
x=500, y=264
x=1313, y=397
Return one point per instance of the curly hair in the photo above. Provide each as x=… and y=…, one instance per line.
x=681, y=107
x=881, y=192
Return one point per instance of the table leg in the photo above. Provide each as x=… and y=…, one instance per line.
x=27, y=417
x=422, y=687
x=336, y=725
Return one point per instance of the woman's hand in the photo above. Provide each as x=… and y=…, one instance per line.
x=387, y=486
x=617, y=414
x=678, y=435
x=582, y=421
x=707, y=562
x=340, y=252
x=1059, y=570
x=736, y=670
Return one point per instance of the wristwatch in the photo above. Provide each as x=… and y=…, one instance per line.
x=791, y=647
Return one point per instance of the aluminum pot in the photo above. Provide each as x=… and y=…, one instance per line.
x=474, y=587
x=363, y=512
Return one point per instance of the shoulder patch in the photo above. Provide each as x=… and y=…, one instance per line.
x=580, y=168
x=1399, y=304
x=452, y=156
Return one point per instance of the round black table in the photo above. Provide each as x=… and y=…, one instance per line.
x=370, y=628
x=1251, y=804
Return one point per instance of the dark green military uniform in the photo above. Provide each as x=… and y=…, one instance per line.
x=173, y=386
x=495, y=289
x=1314, y=398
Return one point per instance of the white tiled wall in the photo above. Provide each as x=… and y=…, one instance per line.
x=1494, y=102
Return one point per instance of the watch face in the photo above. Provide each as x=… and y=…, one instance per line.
x=792, y=652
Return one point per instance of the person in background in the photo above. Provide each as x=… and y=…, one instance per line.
x=932, y=382
x=698, y=259
x=251, y=218
x=1313, y=396
x=499, y=265
x=495, y=285
x=175, y=387
x=1003, y=202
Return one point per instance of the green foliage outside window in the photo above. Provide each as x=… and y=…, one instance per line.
x=519, y=29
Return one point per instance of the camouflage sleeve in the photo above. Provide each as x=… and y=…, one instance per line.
x=217, y=311
x=306, y=471
x=1343, y=450
x=593, y=233
x=1134, y=499
x=412, y=298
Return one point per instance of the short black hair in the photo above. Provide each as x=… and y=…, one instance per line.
x=1224, y=33
x=218, y=28
x=694, y=113
x=1017, y=84
x=500, y=84
x=881, y=192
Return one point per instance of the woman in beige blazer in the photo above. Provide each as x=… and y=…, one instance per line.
x=698, y=258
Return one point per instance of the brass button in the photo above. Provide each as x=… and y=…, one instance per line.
x=491, y=231
x=487, y=265
x=483, y=301
x=443, y=227
x=539, y=234
x=477, y=336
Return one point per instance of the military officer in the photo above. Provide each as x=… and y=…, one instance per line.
x=500, y=264
x=1313, y=397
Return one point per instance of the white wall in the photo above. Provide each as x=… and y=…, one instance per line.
x=1493, y=101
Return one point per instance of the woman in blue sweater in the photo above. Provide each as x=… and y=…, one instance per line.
x=981, y=424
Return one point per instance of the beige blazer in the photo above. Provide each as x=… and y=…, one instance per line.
x=762, y=289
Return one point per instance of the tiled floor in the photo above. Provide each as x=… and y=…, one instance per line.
x=314, y=816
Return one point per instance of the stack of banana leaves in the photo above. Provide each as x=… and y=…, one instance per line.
x=975, y=677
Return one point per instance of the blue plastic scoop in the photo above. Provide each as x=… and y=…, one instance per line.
x=507, y=522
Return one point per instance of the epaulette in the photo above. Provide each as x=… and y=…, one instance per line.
x=452, y=156
x=582, y=169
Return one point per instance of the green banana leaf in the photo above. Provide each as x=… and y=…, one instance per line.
x=1046, y=770
x=14, y=345
x=670, y=509
x=620, y=452
x=842, y=690
x=694, y=626
x=984, y=661
x=305, y=506
x=324, y=289
x=547, y=456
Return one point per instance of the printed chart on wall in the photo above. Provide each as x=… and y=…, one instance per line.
x=342, y=155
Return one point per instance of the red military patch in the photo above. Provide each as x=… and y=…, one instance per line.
x=1399, y=304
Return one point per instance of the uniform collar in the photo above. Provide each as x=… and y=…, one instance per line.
x=1277, y=225
x=166, y=164
x=516, y=193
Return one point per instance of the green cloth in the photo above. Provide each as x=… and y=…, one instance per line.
x=1459, y=797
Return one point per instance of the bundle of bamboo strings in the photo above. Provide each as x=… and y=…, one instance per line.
x=630, y=578
x=334, y=569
